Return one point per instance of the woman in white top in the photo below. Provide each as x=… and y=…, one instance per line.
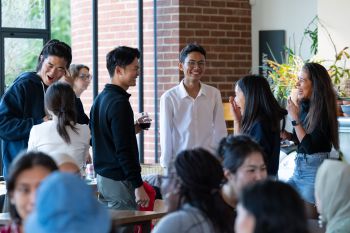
x=62, y=134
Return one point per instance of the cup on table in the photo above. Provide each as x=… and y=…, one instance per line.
x=144, y=121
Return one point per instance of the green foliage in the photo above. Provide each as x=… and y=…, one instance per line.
x=21, y=54
x=284, y=76
x=61, y=20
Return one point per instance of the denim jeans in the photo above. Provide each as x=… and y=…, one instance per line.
x=303, y=179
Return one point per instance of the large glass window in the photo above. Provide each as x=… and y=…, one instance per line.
x=21, y=54
x=23, y=14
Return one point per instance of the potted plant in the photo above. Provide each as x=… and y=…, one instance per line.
x=283, y=76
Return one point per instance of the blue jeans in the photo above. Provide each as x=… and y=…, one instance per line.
x=303, y=179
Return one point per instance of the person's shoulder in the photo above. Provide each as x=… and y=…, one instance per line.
x=171, y=92
x=83, y=128
x=27, y=77
x=209, y=87
x=173, y=222
x=46, y=125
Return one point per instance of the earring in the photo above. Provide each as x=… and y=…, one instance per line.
x=320, y=221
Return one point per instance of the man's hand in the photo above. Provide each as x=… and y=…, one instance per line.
x=142, y=198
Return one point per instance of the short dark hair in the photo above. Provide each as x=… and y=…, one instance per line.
x=120, y=56
x=189, y=48
x=233, y=151
x=276, y=207
x=23, y=162
x=75, y=68
x=55, y=48
x=60, y=99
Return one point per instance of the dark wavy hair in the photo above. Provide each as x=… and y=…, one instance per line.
x=120, y=56
x=23, y=162
x=60, y=99
x=55, y=48
x=260, y=104
x=234, y=150
x=276, y=206
x=323, y=108
x=201, y=177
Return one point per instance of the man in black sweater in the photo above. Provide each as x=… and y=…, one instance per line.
x=115, y=152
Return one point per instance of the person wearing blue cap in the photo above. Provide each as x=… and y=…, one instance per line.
x=65, y=203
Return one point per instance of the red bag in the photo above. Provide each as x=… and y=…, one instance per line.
x=152, y=197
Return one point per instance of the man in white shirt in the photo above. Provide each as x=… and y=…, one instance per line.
x=191, y=113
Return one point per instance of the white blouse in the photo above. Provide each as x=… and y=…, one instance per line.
x=45, y=138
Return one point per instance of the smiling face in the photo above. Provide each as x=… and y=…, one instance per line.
x=304, y=86
x=126, y=76
x=23, y=195
x=252, y=170
x=193, y=67
x=52, y=69
x=240, y=99
x=83, y=80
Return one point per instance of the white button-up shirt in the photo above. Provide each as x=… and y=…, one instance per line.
x=187, y=123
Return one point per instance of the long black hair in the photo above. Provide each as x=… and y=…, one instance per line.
x=23, y=162
x=201, y=177
x=276, y=206
x=323, y=108
x=260, y=104
x=60, y=99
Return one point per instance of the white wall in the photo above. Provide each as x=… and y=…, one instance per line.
x=293, y=16
x=334, y=16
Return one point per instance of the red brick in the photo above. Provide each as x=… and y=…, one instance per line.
x=223, y=27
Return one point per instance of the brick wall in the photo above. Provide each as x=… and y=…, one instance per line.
x=223, y=27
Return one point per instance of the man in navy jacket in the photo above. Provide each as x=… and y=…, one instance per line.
x=22, y=105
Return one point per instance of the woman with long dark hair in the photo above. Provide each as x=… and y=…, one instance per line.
x=258, y=114
x=315, y=123
x=270, y=207
x=25, y=174
x=62, y=134
x=192, y=190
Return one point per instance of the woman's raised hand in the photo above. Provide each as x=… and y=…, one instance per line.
x=236, y=111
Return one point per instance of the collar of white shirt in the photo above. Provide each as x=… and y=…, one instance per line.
x=183, y=93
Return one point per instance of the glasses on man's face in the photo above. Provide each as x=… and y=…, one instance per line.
x=193, y=64
x=85, y=77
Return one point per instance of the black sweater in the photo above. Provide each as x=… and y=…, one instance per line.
x=316, y=141
x=113, y=136
x=269, y=140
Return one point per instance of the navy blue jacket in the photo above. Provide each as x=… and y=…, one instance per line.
x=21, y=107
x=113, y=136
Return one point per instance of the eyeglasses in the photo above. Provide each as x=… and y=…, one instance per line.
x=85, y=77
x=192, y=64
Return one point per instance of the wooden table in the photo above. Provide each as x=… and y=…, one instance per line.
x=119, y=218
x=132, y=217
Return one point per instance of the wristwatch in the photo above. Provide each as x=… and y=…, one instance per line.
x=295, y=123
